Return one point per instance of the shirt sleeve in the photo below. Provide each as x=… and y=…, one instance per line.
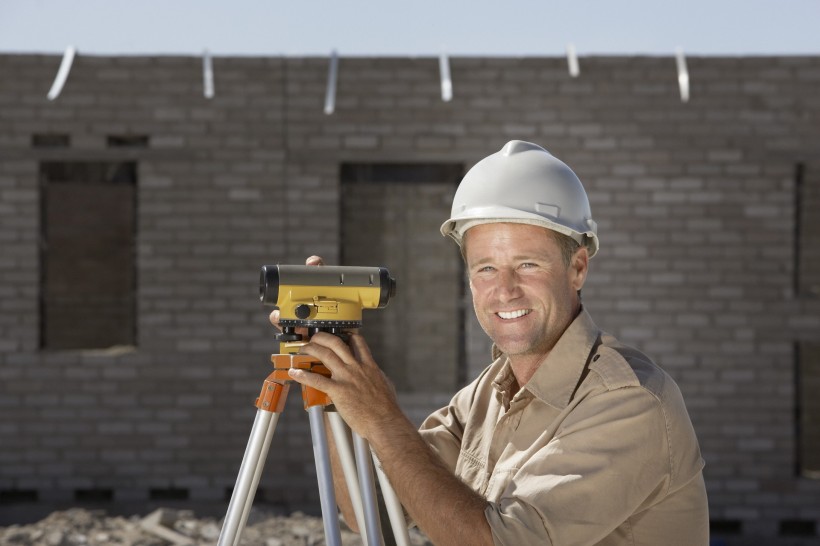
x=443, y=430
x=610, y=456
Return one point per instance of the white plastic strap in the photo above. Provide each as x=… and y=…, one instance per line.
x=62, y=73
x=446, y=81
x=683, y=75
x=572, y=61
x=332, y=74
x=207, y=75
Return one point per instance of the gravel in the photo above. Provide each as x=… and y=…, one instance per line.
x=82, y=527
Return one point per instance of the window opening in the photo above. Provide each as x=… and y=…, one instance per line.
x=87, y=257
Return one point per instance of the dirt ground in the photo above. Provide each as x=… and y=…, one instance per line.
x=83, y=527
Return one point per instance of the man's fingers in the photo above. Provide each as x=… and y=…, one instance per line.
x=333, y=343
x=310, y=379
x=361, y=351
x=274, y=317
x=330, y=353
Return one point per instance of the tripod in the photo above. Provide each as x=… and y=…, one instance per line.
x=358, y=474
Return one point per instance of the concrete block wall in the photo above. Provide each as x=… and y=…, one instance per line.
x=695, y=203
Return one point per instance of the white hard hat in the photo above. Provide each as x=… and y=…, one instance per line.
x=523, y=183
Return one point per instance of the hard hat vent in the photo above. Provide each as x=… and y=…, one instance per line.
x=548, y=210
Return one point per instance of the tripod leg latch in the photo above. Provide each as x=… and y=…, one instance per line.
x=273, y=395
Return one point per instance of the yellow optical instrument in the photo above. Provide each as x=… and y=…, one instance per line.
x=323, y=298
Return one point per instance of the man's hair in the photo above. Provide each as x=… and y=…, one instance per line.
x=567, y=245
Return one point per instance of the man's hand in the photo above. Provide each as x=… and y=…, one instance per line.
x=361, y=392
x=358, y=385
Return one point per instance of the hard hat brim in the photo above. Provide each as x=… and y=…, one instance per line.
x=456, y=227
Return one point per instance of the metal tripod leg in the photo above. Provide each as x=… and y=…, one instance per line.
x=324, y=474
x=270, y=405
x=368, y=489
x=345, y=452
x=394, y=509
x=253, y=462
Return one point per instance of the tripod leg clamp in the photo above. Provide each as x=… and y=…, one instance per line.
x=274, y=393
x=283, y=362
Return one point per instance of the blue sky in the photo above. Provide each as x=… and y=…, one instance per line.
x=411, y=28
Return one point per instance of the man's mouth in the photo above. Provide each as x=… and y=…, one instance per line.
x=509, y=315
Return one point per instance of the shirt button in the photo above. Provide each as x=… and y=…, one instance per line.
x=595, y=358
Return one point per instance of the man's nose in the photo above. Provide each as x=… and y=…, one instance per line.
x=509, y=286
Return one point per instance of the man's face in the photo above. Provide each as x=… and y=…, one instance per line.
x=523, y=293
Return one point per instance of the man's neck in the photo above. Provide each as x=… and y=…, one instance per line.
x=524, y=367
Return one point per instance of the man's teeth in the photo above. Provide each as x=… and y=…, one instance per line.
x=513, y=314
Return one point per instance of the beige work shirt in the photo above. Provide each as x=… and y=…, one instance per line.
x=597, y=448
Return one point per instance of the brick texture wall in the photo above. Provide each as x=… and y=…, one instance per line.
x=695, y=202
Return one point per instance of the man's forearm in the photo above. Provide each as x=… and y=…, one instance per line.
x=446, y=509
x=442, y=506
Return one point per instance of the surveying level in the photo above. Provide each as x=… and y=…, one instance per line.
x=325, y=298
x=317, y=299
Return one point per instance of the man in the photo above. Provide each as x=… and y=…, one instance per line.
x=568, y=437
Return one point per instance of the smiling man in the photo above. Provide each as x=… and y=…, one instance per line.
x=568, y=436
x=524, y=291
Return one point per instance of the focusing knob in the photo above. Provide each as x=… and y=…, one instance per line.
x=283, y=337
x=288, y=333
x=302, y=311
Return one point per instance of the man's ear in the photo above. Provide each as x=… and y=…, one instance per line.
x=579, y=267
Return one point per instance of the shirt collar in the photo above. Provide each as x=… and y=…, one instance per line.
x=559, y=374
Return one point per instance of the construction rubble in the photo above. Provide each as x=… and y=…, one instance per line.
x=164, y=527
